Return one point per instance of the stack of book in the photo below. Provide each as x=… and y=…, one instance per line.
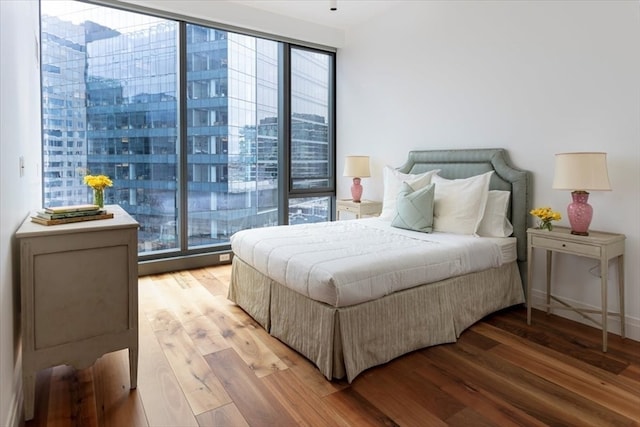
x=66, y=214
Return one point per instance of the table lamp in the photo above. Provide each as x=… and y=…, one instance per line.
x=580, y=172
x=356, y=167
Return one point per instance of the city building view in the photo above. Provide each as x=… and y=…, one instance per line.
x=112, y=105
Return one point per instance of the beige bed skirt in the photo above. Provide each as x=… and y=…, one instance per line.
x=344, y=341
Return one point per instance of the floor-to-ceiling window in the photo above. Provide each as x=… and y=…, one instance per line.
x=203, y=131
x=311, y=152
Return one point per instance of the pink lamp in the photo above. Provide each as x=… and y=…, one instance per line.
x=580, y=172
x=356, y=167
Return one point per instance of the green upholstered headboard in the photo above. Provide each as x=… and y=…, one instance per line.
x=455, y=164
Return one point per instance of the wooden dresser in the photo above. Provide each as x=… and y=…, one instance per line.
x=79, y=292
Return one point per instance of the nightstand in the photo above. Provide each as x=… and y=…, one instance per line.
x=362, y=209
x=79, y=295
x=597, y=245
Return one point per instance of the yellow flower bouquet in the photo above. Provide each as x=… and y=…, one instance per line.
x=98, y=183
x=545, y=215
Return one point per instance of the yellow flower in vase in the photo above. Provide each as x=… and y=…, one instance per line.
x=545, y=215
x=98, y=183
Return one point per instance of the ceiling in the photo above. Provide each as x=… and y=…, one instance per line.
x=348, y=14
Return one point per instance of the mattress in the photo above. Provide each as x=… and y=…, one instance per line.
x=344, y=263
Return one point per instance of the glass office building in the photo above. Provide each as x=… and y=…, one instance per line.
x=112, y=105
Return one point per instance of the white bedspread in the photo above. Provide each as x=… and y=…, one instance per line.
x=344, y=263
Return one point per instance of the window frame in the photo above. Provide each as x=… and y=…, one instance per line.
x=182, y=256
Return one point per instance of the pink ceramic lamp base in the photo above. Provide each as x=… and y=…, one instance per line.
x=356, y=190
x=580, y=213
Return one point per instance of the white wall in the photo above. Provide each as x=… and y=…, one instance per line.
x=19, y=136
x=536, y=78
x=235, y=14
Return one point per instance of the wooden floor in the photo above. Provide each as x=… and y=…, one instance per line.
x=204, y=362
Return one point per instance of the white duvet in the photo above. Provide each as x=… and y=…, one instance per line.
x=344, y=263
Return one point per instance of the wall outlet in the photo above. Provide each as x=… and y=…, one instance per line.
x=225, y=257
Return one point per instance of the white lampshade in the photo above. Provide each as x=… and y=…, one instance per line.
x=357, y=166
x=581, y=172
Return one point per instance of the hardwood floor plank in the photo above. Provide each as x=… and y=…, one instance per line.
x=164, y=402
x=628, y=349
x=565, y=336
x=632, y=372
x=185, y=279
x=533, y=394
x=148, y=298
x=304, y=406
x=199, y=384
x=477, y=340
x=468, y=417
x=225, y=416
x=492, y=407
x=576, y=381
x=214, y=285
x=241, y=338
x=253, y=399
x=404, y=400
x=83, y=398
x=61, y=406
x=174, y=295
x=161, y=320
x=604, y=375
x=577, y=376
x=306, y=371
x=221, y=272
x=116, y=403
x=417, y=396
x=356, y=410
x=205, y=335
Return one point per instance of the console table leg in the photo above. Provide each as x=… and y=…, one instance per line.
x=133, y=367
x=604, y=278
x=549, y=282
x=529, y=283
x=621, y=290
x=29, y=385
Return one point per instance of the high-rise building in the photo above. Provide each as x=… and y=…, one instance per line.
x=64, y=139
x=112, y=105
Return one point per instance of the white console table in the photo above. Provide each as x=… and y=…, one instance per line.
x=598, y=245
x=79, y=292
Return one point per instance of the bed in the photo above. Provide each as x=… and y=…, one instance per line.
x=347, y=308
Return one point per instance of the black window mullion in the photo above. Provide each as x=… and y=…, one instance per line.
x=284, y=132
x=332, y=135
x=183, y=192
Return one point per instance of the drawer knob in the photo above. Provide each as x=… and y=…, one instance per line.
x=564, y=245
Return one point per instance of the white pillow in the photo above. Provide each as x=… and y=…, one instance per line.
x=460, y=203
x=393, y=180
x=495, y=222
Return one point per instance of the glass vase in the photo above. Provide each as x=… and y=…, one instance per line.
x=545, y=225
x=98, y=197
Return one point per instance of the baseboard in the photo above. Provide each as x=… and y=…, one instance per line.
x=632, y=324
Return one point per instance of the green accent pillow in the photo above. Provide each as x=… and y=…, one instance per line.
x=415, y=208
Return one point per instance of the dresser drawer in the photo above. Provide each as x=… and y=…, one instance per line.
x=568, y=247
x=349, y=208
